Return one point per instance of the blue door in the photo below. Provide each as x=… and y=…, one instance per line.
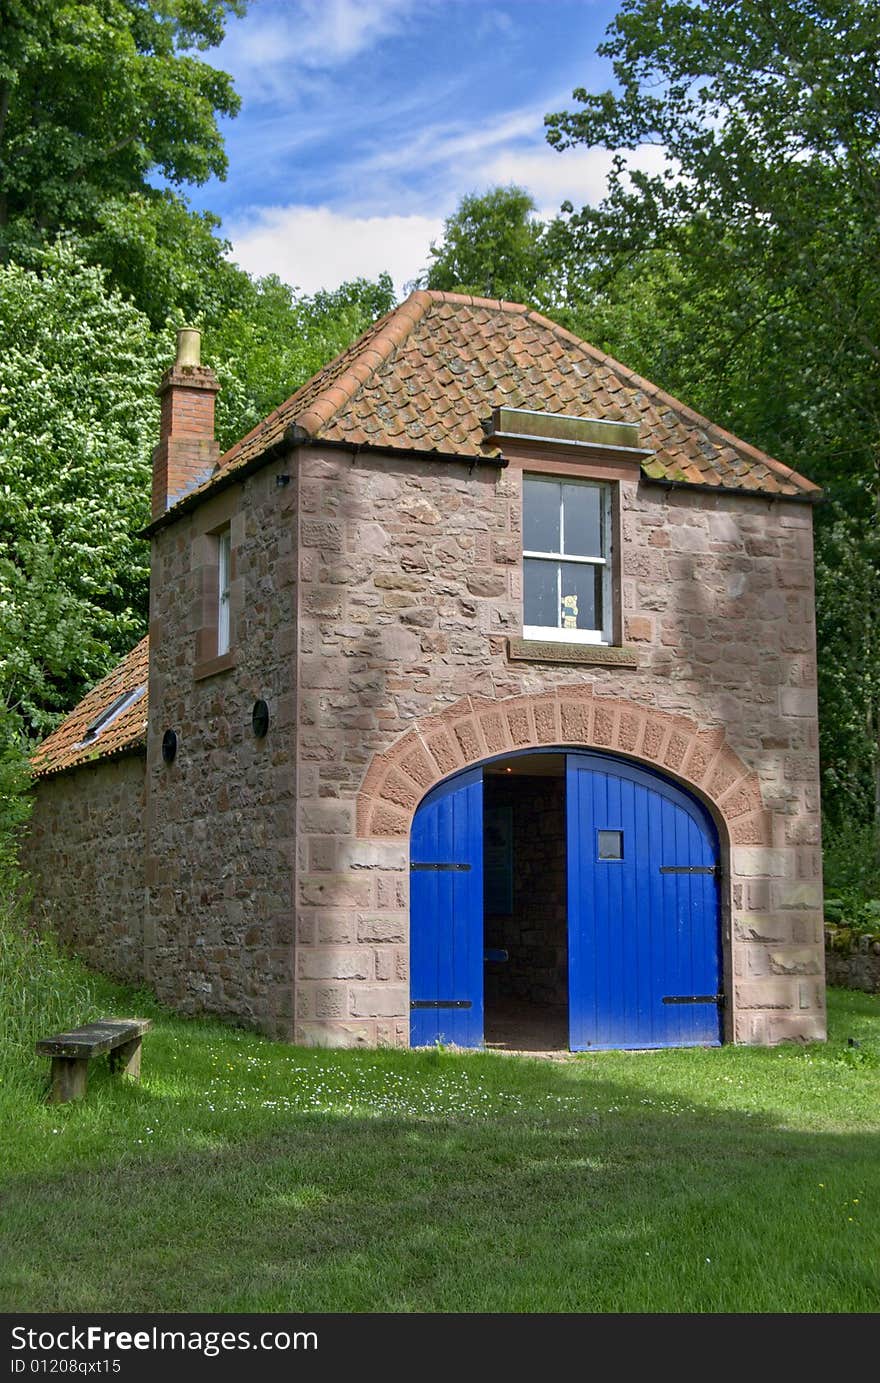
x=446, y=915
x=643, y=914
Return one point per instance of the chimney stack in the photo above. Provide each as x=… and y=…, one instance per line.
x=187, y=453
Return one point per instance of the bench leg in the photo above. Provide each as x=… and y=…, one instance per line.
x=69, y=1079
x=126, y=1060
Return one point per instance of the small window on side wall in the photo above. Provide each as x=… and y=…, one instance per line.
x=224, y=565
x=566, y=560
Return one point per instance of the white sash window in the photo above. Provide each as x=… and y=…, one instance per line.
x=566, y=560
x=224, y=554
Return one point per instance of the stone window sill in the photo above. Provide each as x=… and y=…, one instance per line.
x=211, y=666
x=589, y=654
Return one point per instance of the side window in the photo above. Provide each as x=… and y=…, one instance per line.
x=224, y=564
x=566, y=559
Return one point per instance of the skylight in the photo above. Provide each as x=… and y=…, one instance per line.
x=111, y=713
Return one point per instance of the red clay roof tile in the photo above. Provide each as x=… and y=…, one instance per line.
x=65, y=748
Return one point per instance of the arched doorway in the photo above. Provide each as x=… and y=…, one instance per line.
x=564, y=898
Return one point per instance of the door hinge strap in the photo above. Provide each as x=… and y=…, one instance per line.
x=694, y=999
x=440, y=1003
x=445, y=868
x=690, y=869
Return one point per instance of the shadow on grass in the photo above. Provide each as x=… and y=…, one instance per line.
x=551, y=1188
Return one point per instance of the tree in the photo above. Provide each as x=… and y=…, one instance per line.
x=493, y=247
x=169, y=260
x=98, y=100
x=78, y=420
x=96, y=96
x=760, y=246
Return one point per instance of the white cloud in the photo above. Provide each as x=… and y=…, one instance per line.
x=578, y=175
x=316, y=247
x=267, y=54
x=454, y=145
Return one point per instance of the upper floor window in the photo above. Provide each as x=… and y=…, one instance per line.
x=224, y=564
x=566, y=559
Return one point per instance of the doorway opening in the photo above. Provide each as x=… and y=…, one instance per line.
x=525, y=904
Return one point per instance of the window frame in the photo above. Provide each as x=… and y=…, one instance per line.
x=224, y=590
x=603, y=637
x=117, y=707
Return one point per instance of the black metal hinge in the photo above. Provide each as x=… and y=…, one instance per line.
x=440, y=1003
x=446, y=868
x=690, y=869
x=694, y=999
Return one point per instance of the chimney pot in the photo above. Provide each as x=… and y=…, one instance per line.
x=189, y=346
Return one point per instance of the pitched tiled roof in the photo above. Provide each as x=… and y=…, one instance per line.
x=65, y=748
x=427, y=375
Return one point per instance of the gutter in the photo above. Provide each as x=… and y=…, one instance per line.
x=802, y=497
x=138, y=748
x=295, y=436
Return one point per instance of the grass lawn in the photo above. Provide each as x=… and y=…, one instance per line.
x=243, y=1175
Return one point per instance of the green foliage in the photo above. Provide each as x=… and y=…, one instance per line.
x=851, y=867
x=79, y=365
x=41, y=992
x=493, y=247
x=848, y=631
x=78, y=420
x=166, y=258
x=95, y=99
x=98, y=95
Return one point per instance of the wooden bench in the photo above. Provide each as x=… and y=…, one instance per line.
x=71, y=1053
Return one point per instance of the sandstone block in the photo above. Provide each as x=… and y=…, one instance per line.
x=795, y=894
x=387, y=1001
x=800, y=962
x=747, y=861
x=335, y=963
x=382, y=928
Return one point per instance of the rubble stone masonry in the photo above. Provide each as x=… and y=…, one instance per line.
x=85, y=857
x=220, y=820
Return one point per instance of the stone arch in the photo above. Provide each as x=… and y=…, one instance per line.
x=474, y=729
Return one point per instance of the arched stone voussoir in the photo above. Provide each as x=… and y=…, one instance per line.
x=474, y=729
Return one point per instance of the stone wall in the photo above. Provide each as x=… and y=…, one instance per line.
x=852, y=961
x=86, y=860
x=535, y=933
x=220, y=819
x=410, y=579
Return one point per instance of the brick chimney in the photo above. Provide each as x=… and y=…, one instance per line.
x=187, y=452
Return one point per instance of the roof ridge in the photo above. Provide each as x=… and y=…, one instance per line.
x=661, y=395
x=469, y=300
x=383, y=337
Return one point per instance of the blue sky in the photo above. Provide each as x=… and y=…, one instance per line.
x=364, y=122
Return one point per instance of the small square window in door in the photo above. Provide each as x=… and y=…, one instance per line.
x=610, y=845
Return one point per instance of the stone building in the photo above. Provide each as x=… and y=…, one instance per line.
x=478, y=704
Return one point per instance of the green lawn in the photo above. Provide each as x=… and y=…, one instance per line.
x=243, y=1175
